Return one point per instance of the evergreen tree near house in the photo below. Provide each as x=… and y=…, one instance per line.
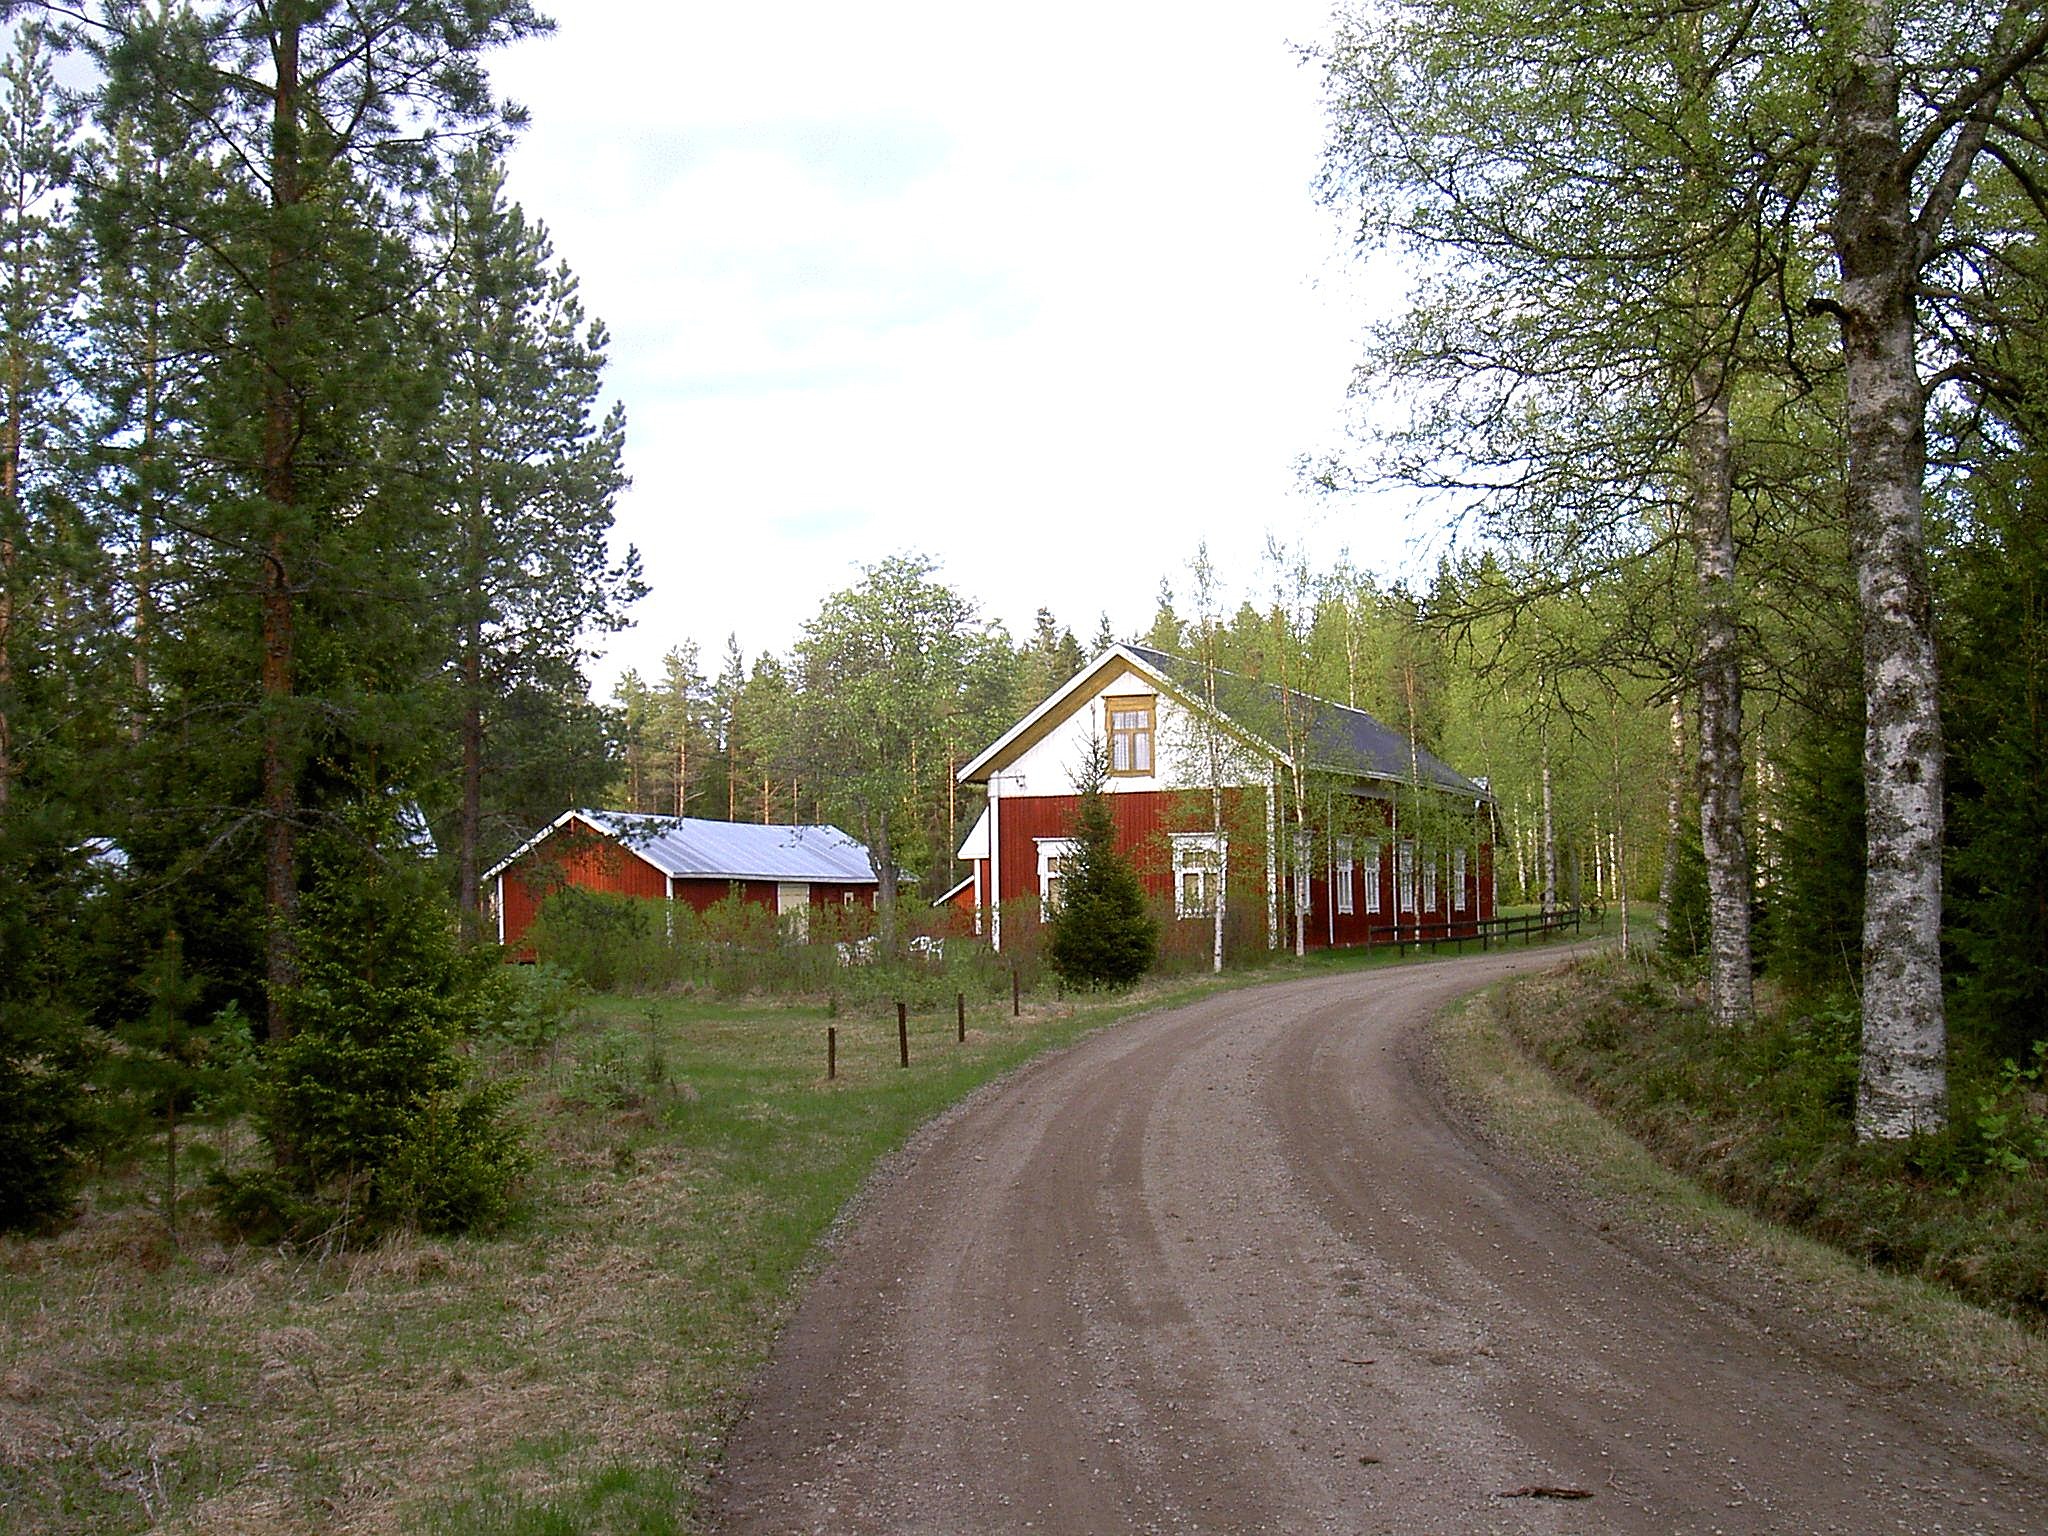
x=1101, y=934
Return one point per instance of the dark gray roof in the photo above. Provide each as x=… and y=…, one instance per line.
x=690, y=847
x=1338, y=737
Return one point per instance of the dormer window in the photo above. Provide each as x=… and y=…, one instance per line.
x=1130, y=735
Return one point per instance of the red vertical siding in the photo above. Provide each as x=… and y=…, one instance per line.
x=823, y=895
x=575, y=854
x=1145, y=818
x=700, y=895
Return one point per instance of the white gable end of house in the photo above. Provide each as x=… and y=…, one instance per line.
x=1056, y=756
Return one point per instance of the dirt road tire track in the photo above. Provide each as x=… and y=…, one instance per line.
x=1231, y=1269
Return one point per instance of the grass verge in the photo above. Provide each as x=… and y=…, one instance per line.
x=1520, y=1104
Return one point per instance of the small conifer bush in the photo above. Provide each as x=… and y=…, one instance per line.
x=1101, y=934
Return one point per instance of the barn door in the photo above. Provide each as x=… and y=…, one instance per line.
x=793, y=900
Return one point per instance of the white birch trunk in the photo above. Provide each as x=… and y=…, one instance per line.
x=1880, y=250
x=1549, y=835
x=1722, y=839
x=1599, y=860
x=1222, y=870
x=1674, y=810
x=1515, y=848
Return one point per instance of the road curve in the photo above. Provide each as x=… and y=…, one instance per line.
x=1230, y=1268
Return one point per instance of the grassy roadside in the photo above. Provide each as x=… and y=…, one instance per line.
x=575, y=1374
x=1517, y=1102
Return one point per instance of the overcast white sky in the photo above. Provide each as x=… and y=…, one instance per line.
x=1043, y=292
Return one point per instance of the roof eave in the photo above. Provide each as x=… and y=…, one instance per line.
x=529, y=845
x=1403, y=781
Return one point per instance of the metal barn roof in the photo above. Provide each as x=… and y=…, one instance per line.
x=688, y=847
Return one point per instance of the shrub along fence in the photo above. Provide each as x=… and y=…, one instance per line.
x=612, y=943
x=735, y=948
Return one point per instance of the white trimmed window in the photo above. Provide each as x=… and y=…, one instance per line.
x=1404, y=876
x=1372, y=877
x=1197, y=869
x=1053, y=854
x=1130, y=735
x=1458, y=879
x=1429, y=880
x=1347, y=875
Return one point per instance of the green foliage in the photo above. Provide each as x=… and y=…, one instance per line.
x=605, y=942
x=1817, y=889
x=734, y=948
x=367, y=1105
x=897, y=683
x=173, y=1060
x=1102, y=934
x=1685, y=921
x=534, y=1004
x=460, y=1164
x=47, y=892
x=43, y=1114
x=1764, y=1115
x=1995, y=714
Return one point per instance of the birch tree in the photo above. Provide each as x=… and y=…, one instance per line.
x=1598, y=257
x=1211, y=749
x=1915, y=97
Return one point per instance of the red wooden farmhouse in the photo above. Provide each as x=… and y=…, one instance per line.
x=1332, y=824
x=677, y=858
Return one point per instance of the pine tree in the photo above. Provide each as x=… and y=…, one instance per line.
x=529, y=474
x=321, y=128
x=371, y=1094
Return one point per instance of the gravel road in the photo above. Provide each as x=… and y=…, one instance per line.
x=1232, y=1268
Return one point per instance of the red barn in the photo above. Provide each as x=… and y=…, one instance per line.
x=680, y=858
x=1333, y=823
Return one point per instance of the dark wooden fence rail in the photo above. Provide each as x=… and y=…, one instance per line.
x=1494, y=930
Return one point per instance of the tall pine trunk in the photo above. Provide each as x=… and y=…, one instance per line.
x=280, y=490
x=10, y=519
x=12, y=522
x=145, y=533
x=468, y=894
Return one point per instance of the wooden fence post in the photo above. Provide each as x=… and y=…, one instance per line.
x=831, y=1051
x=903, y=1034
x=960, y=1007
